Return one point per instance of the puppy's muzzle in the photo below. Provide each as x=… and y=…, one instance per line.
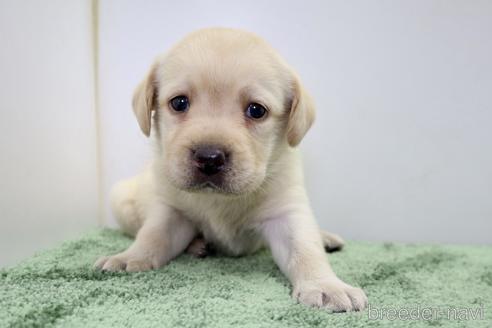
x=209, y=160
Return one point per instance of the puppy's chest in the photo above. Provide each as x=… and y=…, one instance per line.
x=229, y=228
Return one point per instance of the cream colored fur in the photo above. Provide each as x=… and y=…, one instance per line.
x=263, y=201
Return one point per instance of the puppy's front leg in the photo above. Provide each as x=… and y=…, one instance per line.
x=163, y=236
x=297, y=249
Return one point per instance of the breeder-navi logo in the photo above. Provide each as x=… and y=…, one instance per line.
x=426, y=313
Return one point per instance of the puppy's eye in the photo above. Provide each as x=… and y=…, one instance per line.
x=255, y=111
x=180, y=103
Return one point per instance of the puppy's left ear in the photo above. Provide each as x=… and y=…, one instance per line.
x=302, y=113
x=145, y=100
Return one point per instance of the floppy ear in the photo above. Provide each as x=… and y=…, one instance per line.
x=301, y=115
x=145, y=100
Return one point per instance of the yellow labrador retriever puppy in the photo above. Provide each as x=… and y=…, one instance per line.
x=226, y=114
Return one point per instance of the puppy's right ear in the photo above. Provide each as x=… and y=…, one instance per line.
x=145, y=100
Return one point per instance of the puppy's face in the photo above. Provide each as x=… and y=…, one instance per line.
x=223, y=105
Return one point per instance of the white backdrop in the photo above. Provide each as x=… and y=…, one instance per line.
x=402, y=148
x=48, y=183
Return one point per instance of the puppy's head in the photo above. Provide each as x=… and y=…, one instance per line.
x=223, y=106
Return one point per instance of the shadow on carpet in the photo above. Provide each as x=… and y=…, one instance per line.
x=407, y=286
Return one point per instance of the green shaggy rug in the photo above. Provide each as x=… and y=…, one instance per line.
x=407, y=286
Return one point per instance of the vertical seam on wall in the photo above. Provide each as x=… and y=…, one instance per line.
x=97, y=111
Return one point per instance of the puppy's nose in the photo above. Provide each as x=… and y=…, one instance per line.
x=209, y=160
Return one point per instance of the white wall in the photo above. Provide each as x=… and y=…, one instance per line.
x=48, y=187
x=402, y=148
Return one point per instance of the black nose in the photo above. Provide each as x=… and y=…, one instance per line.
x=209, y=160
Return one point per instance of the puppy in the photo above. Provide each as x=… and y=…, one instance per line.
x=226, y=114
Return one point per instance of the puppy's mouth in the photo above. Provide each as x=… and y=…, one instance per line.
x=208, y=186
x=215, y=170
x=210, y=167
x=211, y=185
x=225, y=183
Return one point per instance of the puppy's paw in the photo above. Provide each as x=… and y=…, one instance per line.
x=126, y=262
x=332, y=242
x=332, y=294
x=198, y=248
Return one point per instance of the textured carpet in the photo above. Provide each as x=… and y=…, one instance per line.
x=60, y=288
